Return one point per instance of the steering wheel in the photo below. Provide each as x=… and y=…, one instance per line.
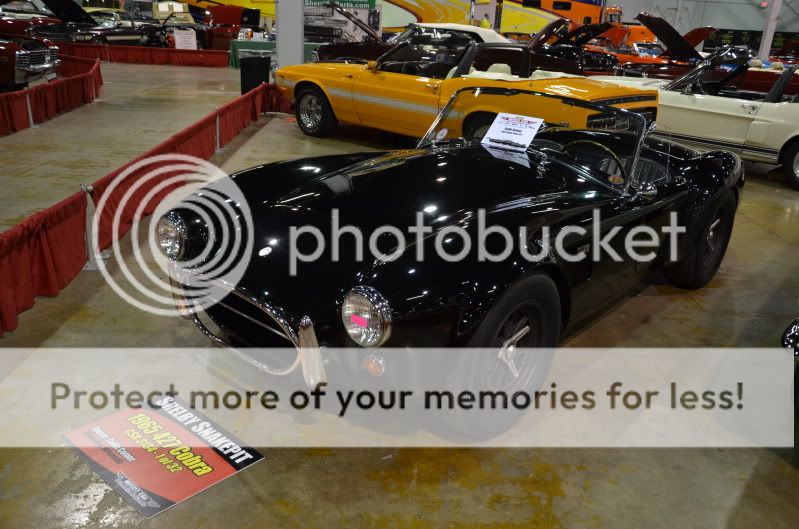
x=411, y=68
x=602, y=147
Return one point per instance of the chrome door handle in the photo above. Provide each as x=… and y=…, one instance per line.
x=348, y=76
x=433, y=87
x=749, y=108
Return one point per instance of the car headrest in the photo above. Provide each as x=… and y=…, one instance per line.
x=452, y=71
x=500, y=68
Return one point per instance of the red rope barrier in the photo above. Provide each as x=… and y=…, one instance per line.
x=42, y=254
x=147, y=55
x=80, y=85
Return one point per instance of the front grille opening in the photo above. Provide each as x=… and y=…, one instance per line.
x=33, y=58
x=243, y=324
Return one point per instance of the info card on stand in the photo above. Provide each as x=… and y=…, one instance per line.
x=512, y=132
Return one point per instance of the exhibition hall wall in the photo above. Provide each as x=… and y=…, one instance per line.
x=727, y=14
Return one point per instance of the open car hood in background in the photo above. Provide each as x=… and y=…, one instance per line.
x=69, y=11
x=697, y=36
x=355, y=20
x=677, y=46
x=584, y=34
x=547, y=32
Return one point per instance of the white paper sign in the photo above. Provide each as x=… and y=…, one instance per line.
x=512, y=132
x=185, y=39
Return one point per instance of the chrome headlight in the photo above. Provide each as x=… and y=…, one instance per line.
x=366, y=316
x=171, y=232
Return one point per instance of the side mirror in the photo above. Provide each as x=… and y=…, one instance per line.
x=372, y=66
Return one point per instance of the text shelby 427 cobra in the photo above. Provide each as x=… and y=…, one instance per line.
x=447, y=295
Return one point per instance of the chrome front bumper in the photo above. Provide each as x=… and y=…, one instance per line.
x=303, y=340
x=27, y=74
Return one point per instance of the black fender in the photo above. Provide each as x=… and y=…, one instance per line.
x=717, y=177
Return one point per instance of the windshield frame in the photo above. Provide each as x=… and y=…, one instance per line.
x=428, y=140
x=694, y=74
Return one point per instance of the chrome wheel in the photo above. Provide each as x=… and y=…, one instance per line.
x=714, y=241
x=514, y=364
x=311, y=111
x=796, y=165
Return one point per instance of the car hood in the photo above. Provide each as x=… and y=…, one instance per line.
x=551, y=29
x=69, y=11
x=355, y=20
x=443, y=185
x=301, y=70
x=677, y=46
x=642, y=83
x=697, y=36
x=22, y=40
x=585, y=33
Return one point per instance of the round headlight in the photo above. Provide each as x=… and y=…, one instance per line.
x=366, y=316
x=171, y=232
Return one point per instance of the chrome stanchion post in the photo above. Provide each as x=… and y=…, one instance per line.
x=93, y=256
x=30, y=111
x=218, y=138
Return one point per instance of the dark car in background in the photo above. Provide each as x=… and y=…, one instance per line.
x=17, y=16
x=570, y=46
x=79, y=26
x=372, y=46
x=223, y=23
x=24, y=60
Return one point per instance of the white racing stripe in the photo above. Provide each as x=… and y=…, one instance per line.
x=384, y=101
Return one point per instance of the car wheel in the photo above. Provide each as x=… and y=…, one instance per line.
x=790, y=165
x=314, y=114
x=700, y=265
x=476, y=126
x=520, y=331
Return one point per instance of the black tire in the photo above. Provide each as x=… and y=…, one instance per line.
x=533, y=302
x=476, y=125
x=314, y=114
x=790, y=164
x=701, y=264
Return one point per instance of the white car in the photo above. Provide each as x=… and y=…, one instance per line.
x=705, y=109
x=478, y=34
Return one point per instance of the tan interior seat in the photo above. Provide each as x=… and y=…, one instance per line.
x=452, y=70
x=500, y=68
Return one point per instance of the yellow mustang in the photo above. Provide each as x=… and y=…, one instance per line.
x=404, y=90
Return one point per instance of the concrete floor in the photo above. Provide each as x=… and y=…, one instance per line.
x=749, y=303
x=139, y=107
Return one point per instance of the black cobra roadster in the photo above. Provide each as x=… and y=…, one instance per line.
x=423, y=296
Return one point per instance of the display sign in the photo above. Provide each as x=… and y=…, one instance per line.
x=346, y=4
x=156, y=457
x=739, y=37
x=512, y=132
x=185, y=39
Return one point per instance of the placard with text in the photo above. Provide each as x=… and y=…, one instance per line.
x=156, y=457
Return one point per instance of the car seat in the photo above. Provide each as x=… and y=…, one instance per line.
x=500, y=68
